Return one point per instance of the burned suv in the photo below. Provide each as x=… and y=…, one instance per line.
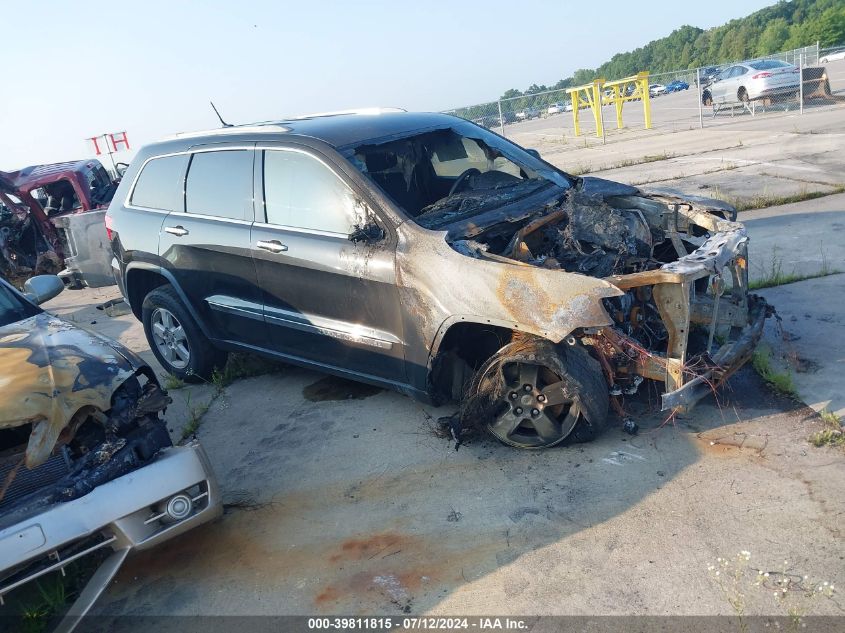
x=427, y=254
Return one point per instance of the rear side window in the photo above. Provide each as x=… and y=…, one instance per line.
x=769, y=64
x=302, y=192
x=159, y=185
x=220, y=184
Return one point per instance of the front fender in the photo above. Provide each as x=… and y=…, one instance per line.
x=439, y=287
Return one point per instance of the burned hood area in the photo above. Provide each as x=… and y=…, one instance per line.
x=77, y=411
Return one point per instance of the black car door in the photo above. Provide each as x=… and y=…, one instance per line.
x=327, y=300
x=206, y=246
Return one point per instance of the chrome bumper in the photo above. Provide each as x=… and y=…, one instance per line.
x=122, y=515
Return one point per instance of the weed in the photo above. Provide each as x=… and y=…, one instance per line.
x=580, y=169
x=241, y=366
x=764, y=200
x=37, y=603
x=831, y=433
x=195, y=415
x=780, y=382
x=793, y=593
x=237, y=366
x=774, y=274
x=172, y=383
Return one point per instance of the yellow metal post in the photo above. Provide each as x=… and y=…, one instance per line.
x=617, y=99
x=642, y=80
x=576, y=107
x=597, y=84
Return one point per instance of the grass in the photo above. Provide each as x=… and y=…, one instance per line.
x=172, y=383
x=774, y=275
x=38, y=604
x=195, y=415
x=780, y=382
x=580, y=169
x=648, y=158
x=764, y=200
x=831, y=433
x=237, y=366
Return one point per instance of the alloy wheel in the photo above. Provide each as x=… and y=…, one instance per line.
x=170, y=339
x=535, y=409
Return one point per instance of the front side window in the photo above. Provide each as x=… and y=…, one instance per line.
x=220, y=184
x=302, y=192
x=159, y=186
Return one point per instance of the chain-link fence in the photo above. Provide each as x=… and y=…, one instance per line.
x=788, y=82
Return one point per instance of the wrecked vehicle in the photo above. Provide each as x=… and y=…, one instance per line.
x=51, y=222
x=87, y=468
x=426, y=254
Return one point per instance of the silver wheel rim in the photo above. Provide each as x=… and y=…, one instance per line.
x=535, y=409
x=170, y=339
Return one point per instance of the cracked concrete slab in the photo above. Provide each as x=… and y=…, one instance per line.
x=813, y=348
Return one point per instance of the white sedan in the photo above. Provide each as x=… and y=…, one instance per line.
x=832, y=57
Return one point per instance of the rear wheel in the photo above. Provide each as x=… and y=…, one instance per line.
x=742, y=95
x=175, y=339
x=534, y=394
x=707, y=98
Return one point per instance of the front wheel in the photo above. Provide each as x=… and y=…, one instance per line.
x=175, y=339
x=534, y=394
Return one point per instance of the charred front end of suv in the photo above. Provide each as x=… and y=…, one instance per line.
x=653, y=285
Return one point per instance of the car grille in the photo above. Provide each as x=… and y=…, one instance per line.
x=26, y=481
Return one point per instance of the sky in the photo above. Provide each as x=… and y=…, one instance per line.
x=76, y=70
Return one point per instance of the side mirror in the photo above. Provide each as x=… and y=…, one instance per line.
x=369, y=232
x=534, y=153
x=42, y=288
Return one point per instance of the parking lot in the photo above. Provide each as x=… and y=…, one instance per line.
x=348, y=499
x=674, y=112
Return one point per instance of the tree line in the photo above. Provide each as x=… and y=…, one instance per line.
x=783, y=26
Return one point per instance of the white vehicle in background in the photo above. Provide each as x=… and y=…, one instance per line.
x=832, y=57
x=556, y=108
x=568, y=107
x=752, y=80
x=527, y=113
x=655, y=90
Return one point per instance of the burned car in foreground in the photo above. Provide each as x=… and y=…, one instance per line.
x=427, y=254
x=87, y=467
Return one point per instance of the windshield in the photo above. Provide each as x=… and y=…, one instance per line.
x=471, y=169
x=12, y=309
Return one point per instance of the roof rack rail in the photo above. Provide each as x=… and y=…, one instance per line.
x=342, y=112
x=234, y=129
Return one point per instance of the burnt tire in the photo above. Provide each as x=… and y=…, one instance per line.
x=535, y=394
x=175, y=338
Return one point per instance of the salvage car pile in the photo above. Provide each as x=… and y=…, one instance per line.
x=41, y=209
